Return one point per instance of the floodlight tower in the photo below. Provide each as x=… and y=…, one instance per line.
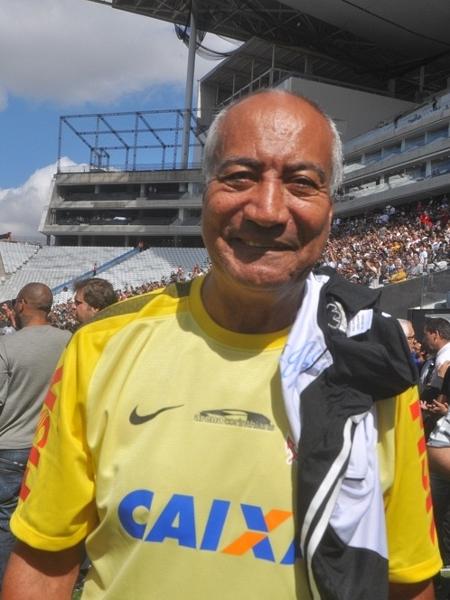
x=189, y=86
x=189, y=89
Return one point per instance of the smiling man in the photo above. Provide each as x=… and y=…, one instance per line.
x=254, y=433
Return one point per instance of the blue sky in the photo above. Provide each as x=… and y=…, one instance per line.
x=29, y=130
x=71, y=57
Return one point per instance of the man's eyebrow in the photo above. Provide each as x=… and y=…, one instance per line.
x=305, y=166
x=239, y=161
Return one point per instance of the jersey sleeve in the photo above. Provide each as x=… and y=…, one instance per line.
x=412, y=541
x=56, y=507
x=4, y=376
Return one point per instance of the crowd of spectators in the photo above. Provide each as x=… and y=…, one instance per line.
x=391, y=245
x=382, y=247
x=63, y=314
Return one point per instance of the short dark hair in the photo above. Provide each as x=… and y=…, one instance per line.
x=37, y=295
x=438, y=325
x=97, y=292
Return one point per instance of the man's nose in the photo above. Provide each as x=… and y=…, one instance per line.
x=266, y=205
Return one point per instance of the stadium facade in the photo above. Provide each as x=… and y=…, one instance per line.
x=386, y=86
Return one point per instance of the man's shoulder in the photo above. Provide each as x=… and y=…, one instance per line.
x=443, y=354
x=57, y=333
x=45, y=332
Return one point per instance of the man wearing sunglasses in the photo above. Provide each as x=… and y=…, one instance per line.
x=91, y=296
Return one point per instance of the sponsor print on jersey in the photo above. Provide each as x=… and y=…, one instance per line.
x=42, y=430
x=416, y=415
x=235, y=417
x=178, y=520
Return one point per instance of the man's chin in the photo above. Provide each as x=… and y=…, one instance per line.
x=266, y=280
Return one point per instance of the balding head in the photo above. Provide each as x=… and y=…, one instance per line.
x=38, y=295
x=33, y=303
x=408, y=330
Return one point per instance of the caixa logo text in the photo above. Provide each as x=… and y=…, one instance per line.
x=177, y=520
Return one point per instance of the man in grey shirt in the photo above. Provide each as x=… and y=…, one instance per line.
x=27, y=360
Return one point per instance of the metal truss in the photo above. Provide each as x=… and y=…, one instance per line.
x=133, y=141
x=277, y=23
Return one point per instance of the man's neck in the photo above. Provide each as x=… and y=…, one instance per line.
x=250, y=311
x=32, y=321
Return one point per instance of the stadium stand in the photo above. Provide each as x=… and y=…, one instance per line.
x=15, y=255
x=57, y=266
x=54, y=265
x=153, y=265
x=386, y=246
x=381, y=247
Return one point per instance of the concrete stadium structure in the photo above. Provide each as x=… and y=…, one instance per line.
x=383, y=77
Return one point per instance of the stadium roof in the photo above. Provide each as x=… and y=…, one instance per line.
x=405, y=40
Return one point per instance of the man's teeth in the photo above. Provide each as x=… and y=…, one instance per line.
x=257, y=244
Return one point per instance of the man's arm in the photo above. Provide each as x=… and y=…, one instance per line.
x=439, y=460
x=4, y=377
x=10, y=315
x=40, y=575
x=412, y=591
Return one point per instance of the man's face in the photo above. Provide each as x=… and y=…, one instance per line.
x=83, y=310
x=411, y=338
x=267, y=209
x=430, y=340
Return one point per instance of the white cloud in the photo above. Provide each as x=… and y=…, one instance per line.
x=21, y=207
x=3, y=99
x=73, y=51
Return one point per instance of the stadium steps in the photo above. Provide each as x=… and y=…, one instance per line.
x=156, y=264
x=53, y=265
x=2, y=269
x=100, y=269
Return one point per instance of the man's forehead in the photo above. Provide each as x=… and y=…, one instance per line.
x=276, y=125
x=273, y=102
x=273, y=112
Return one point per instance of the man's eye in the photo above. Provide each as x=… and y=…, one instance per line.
x=239, y=175
x=301, y=189
x=303, y=182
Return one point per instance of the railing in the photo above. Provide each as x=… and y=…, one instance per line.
x=85, y=168
x=100, y=269
x=131, y=141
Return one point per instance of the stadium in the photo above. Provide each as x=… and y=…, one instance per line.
x=150, y=444
x=133, y=209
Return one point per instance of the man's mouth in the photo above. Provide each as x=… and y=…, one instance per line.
x=261, y=244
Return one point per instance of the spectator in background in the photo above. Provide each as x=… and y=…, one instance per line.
x=436, y=337
x=27, y=360
x=9, y=318
x=415, y=267
x=91, y=296
x=436, y=342
x=408, y=330
x=398, y=271
x=439, y=457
